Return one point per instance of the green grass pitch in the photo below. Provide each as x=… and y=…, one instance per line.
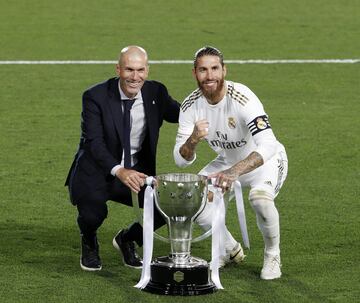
x=314, y=111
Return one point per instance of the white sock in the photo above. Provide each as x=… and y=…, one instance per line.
x=267, y=218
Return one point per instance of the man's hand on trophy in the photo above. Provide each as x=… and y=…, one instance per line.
x=224, y=179
x=201, y=130
x=131, y=178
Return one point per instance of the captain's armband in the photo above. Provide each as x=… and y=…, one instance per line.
x=259, y=124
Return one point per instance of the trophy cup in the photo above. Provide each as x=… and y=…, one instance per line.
x=180, y=198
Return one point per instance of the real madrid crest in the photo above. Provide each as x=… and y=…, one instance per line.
x=231, y=122
x=260, y=123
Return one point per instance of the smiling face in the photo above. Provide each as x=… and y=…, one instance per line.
x=132, y=69
x=210, y=76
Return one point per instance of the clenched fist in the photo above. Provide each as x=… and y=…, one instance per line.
x=201, y=130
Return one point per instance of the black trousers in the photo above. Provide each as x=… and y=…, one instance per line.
x=93, y=210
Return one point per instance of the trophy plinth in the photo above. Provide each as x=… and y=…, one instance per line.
x=180, y=198
x=180, y=281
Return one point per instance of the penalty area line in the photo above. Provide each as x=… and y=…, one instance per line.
x=248, y=61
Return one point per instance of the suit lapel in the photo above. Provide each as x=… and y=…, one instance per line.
x=115, y=106
x=151, y=113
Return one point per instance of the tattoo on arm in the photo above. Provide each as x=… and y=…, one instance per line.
x=254, y=160
x=187, y=150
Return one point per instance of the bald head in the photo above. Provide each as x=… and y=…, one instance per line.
x=132, y=70
x=133, y=52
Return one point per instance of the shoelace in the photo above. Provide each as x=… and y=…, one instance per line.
x=272, y=262
x=93, y=255
x=132, y=249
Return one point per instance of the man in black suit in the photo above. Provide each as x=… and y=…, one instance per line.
x=117, y=152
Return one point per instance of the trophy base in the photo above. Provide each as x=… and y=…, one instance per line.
x=179, y=280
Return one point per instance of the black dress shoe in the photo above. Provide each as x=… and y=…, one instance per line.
x=127, y=248
x=89, y=259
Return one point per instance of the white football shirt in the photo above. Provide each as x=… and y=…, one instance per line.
x=238, y=125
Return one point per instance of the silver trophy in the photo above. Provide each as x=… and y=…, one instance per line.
x=180, y=198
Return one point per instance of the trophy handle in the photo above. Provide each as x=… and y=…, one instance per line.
x=139, y=216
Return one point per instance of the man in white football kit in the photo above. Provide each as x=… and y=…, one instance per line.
x=232, y=120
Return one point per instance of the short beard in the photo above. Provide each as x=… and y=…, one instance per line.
x=213, y=95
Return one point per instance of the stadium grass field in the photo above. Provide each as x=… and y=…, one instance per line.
x=313, y=110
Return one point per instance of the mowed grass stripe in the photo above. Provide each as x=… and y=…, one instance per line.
x=249, y=61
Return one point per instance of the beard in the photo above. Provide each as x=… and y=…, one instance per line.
x=212, y=94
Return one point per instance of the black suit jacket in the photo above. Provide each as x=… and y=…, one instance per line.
x=100, y=147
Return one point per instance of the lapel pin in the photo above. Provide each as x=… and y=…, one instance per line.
x=153, y=101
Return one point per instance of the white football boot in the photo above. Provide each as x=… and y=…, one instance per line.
x=236, y=255
x=271, y=269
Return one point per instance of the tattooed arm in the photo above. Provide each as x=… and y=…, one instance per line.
x=187, y=150
x=254, y=160
x=225, y=178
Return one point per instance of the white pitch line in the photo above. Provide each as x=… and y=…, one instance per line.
x=249, y=61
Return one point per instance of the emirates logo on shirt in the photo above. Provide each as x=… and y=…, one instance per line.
x=223, y=142
x=231, y=122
